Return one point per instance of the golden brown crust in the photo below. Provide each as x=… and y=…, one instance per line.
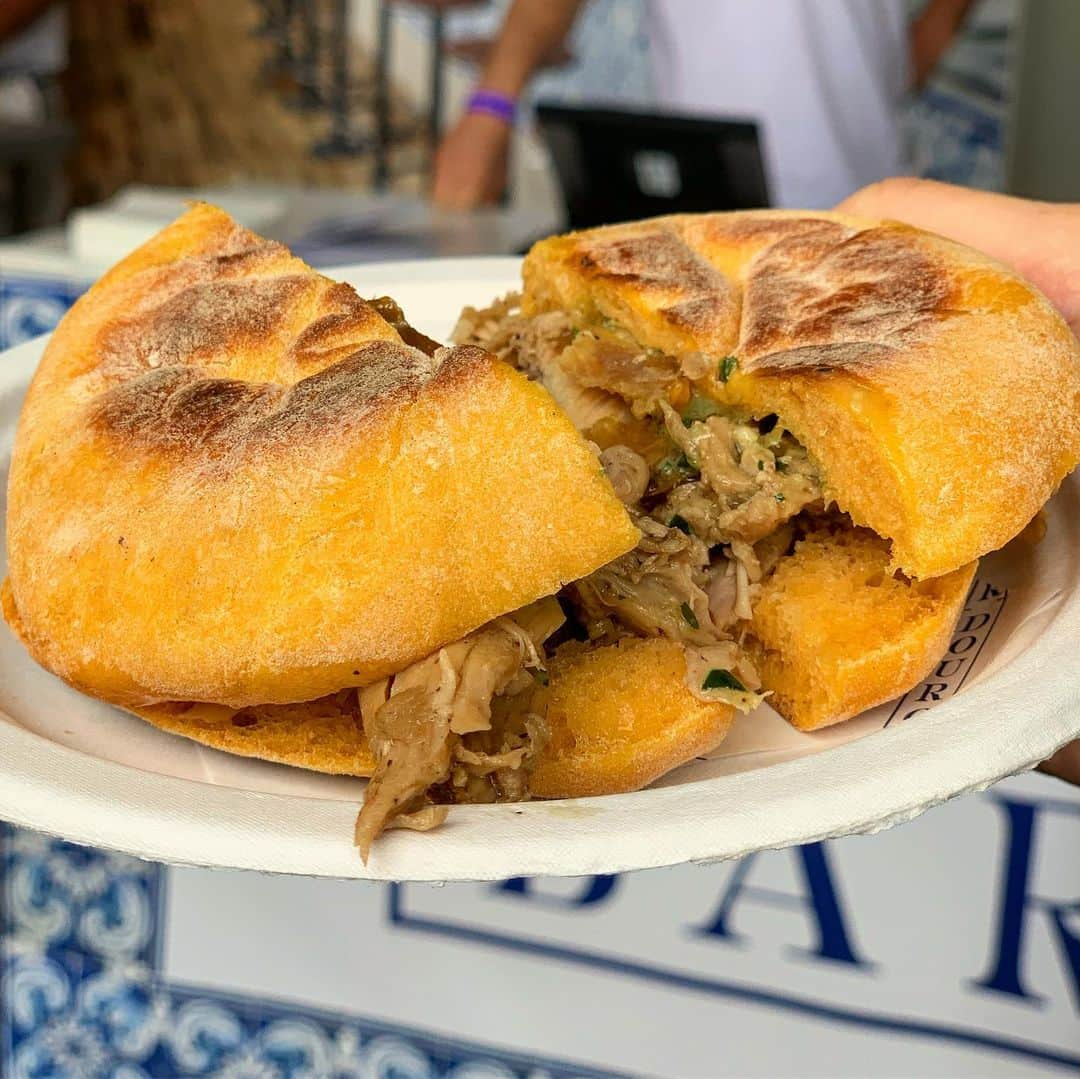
x=837, y=298
x=233, y=482
x=201, y=421
x=622, y=716
x=938, y=390
x=323, y=736
x=642, y=276
x=835, y=633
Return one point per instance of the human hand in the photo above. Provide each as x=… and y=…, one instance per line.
x=1065, y=764
x=931, y=34
x=1040, y=240
x=471, y=163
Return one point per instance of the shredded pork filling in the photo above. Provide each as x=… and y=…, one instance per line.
x=462, y=725
x=713, y=492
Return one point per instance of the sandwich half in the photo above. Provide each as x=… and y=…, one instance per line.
x=818, y=423
x=263, y=513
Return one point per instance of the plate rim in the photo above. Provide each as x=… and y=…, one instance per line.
x=154, y=816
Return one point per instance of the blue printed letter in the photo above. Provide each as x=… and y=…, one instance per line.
x=819, y=899
x=593, y=890
x=1017, y=900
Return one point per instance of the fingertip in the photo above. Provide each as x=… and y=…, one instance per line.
x=891, y=196
x=1065, y=764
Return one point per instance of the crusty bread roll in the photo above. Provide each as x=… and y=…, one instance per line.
x=238, y=496
x=938, y=391
x=933, y=397
x=233, y=483
x=621, y=716
x=835, y=633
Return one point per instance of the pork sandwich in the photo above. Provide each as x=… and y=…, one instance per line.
x=249, y=508
x=818, y=423
x=755, y=453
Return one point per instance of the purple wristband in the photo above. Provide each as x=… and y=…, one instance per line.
x=493, y=104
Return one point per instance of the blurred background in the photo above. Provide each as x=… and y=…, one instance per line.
x=948, y=947
x=329, y=123
x=322, y=117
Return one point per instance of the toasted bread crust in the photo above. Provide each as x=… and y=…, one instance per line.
x=939, y=391
x=835, y=633
x=233, y=482
x=320, y=735
x=622, y=716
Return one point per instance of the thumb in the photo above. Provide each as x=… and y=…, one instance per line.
x=1040, y=240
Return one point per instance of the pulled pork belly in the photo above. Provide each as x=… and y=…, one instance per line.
x=750, y=481
x=728, y=476
x=462, y=725
x=672, y=585
x=544, y=346
x=606, y=358
x=712, y=490
x=659, y=589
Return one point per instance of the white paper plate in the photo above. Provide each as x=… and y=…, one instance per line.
x=1007, y=697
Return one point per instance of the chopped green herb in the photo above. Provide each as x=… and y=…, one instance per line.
x=540, y=675
x=718, y=678
x=779, y=497
x=761, y=466
x=681, y=523
x=691, y=618
x=699, y=408
x=727, y=368
x=675, y=468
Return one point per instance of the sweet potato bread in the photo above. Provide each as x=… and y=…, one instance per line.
x=265, y=514
x=621, y=716
x=233, y=483
x=246, y=509
x=938, y=392
x=819, y=423
x=835, y=633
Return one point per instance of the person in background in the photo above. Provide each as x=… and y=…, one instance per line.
x=824, y=79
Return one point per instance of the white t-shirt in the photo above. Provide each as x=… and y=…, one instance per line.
x=824, y=79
